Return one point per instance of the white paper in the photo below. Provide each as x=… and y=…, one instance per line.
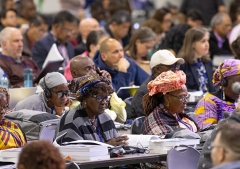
x=53, y=55
x=140, y=140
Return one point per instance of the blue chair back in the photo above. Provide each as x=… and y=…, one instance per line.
x=136, y=127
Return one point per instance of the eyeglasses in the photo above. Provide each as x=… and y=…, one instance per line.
x=66, y=30
x=212, y=146
x=62, y=94
x=182, y=98
x=101, y=98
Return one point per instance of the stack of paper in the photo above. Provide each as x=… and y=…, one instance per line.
x=10, y=155
x=141, y=141
x=162, y=146
x=79, y=152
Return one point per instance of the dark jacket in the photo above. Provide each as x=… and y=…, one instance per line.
x=136, y=103
x=15, y=70
x=192, y=82
x=27, y=51
x=125, y=40
x=134, y=75
x=215, y=50
x=81, y=47
x=205, y=159
x=42, y=47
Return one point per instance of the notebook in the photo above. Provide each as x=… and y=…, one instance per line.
x=18, y=94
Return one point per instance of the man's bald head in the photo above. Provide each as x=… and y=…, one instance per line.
x=81, y=66
x=111, y=52
x=87, y=25
x=11, y=42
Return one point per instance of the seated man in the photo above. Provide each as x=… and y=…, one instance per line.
x=63, y=28
x=221, y=26
x=53, y=99
x=89, y=121
x=11, y=135
x=8, y=18
x=119, y=26
x=81, y=66
x=161, y=61
x=225, y=151
x=123, y=70
x=12, y=62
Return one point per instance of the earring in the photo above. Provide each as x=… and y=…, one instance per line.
x=84, y=104
x=223, y=95
x=167, y=103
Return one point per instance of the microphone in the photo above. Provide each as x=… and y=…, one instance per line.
x=236, y=87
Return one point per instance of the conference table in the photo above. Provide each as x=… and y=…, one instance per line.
x=124, y=160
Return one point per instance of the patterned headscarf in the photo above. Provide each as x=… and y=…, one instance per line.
x=167, y=82
x=229, y=67
x=81, y=85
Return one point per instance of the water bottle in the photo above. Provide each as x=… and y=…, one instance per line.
x=4, y=81
x=28, y=77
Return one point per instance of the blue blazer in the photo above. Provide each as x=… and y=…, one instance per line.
x=192, y=82
x=42, y=47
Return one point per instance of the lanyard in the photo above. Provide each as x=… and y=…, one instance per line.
x=17, y=140
x=184, y=123
x=99, y=131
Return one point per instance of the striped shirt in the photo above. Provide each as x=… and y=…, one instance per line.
x=77, y=126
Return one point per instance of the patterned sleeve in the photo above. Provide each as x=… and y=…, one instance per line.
x=153, y=126
x=206, y=112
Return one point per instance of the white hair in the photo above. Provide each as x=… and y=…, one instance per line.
x=217, y=18
x=5, y=33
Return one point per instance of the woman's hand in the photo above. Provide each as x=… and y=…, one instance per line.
x=118, y=141
x=59, y=110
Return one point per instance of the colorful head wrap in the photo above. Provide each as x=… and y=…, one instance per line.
x=81, y=85
x=167, y=82
x=229, y=67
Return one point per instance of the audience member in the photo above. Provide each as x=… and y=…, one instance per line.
x=235, y=32
x=155, y=26
x=40, y=155
x=141, y=43
x=123, y=70
x=12, y=62
x=221, y=25
x=164, y=104
x=11, y=135
x=94, y=40
x=161, y=61
x=205, y=161
x=119, y=27
x=164, y=16
x=234, y=10
x=211, y=107
x=89, y=121
x=53, y=99
x=235, y=47
x=27, y=11
x=198, y=65
x=81, y=66
x=8, y=18
x=63, y=28
x=226, y=148
x=8, y=4
x=174, y=38
x=85, y=27
x=38, y=28
x=208, y=8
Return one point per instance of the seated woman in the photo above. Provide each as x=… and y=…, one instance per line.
x=197, y=66
x=88, y=121
x=39, y=155
x=10, y=134
x=211, y=107
x=53, y=99
x=142, y=41
x=164, y=104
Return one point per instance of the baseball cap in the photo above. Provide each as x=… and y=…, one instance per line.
x=164, y=57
